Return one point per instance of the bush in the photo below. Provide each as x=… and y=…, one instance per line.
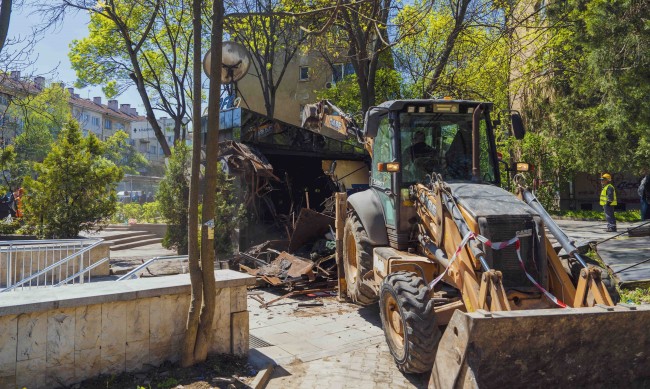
x=151, y=212
x=173, y=197
x=9, y=226
x=75, y=188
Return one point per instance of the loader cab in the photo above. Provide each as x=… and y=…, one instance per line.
x=414, y=139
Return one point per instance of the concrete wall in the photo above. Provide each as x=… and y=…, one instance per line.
x=42, y=256
x=55, y=337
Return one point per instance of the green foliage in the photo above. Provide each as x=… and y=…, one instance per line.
x=75, y=188
x=124, y=155
x=9, y=226
x=43, y=116
x=477, y=66
x=624, y=216
x=635, y=296
x=173, y=197
x=345, y=93
x=151, y=212
x=229, y=211
x=168, y=383
x=596, y=100
x=145, y=213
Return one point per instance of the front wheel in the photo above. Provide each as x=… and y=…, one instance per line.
x=358, y=261
x=408, y=319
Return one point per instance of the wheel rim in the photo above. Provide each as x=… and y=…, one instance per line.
x=394, y=325
x=351, y=255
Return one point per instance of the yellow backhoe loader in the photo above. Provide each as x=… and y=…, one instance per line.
x=468, y=283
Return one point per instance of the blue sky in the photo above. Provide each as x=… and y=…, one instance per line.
x=52, y=52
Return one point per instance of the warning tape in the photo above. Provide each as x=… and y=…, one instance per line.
x=498, y=246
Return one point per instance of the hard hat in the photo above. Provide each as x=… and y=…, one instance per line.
x=606, y=176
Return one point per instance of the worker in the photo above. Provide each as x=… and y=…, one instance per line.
x=608, y=201
x=644, y=196
x=418, y=148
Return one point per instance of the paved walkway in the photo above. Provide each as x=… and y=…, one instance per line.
x=338, y=345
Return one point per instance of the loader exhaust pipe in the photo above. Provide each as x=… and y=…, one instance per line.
x=555, y=230
x=476, y=144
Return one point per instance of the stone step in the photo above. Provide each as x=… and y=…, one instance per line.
x=116, y=227
x=125, y=235
x=136, y=244
x=142, y=236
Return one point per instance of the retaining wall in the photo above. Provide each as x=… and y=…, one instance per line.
x=55, y=337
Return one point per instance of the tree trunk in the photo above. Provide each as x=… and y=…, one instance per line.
x=204, y=335
x=196, y=277
x=450, y=43
x=5, y=18
x=203, y=332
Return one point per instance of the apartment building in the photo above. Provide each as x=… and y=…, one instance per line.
x=103, y=120
x=304, y=75
x=145, y=141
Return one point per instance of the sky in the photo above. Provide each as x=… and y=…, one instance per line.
x=52, y=53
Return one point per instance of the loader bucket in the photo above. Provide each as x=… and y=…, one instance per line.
x=599, y=347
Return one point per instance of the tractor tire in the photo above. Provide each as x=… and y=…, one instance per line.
x=357, y=261
x=408, y=319
x=574, y=268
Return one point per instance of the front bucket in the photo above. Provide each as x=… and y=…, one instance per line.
x=560, y=348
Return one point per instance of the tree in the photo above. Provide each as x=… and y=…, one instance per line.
x=590, y=82
x=202, y=303
x=42, y=116
x=272, y=39
x=75, y=188
x=172, y=196
x=345, y=93
x=141, y=43
x=231, y=213
x=121, y=153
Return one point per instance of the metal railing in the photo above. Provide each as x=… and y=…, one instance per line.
x=38, y=263
x=134, y=273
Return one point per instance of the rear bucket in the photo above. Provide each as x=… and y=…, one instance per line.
x=560, y=348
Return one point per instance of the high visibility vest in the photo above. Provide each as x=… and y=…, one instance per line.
x=603, y=195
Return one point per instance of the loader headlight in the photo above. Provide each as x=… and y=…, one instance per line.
x=524, y=167
x=390, y=167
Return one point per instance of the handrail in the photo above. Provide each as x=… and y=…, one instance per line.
x=80, y=272
x=52, y=266
x=146, y=264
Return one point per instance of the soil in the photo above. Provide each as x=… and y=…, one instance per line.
x=218, y=371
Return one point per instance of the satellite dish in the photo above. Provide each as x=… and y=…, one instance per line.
x=235, y=59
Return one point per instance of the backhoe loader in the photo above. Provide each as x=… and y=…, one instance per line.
x=468, y=283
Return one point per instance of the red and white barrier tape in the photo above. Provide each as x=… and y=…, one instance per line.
x=498, y=246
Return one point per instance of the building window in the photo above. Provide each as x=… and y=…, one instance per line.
x=340, y=70
x=107, y=124
x=304, y=73
x=95, y=121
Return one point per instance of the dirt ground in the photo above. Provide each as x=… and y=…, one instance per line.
x=219, y=371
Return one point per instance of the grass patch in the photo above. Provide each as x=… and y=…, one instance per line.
x=635, y=296
x=623, y=216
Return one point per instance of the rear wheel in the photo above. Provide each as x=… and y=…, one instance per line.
x=574, y=268
x=358, y=261
x=408, y=319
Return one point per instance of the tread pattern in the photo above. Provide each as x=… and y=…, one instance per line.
x=361, y=291
x=421, y=333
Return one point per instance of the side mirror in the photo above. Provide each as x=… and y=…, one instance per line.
x=517, y=126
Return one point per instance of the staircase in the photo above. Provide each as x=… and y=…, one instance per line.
x=123, y=237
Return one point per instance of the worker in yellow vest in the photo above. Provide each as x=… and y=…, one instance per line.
x=608, y=201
